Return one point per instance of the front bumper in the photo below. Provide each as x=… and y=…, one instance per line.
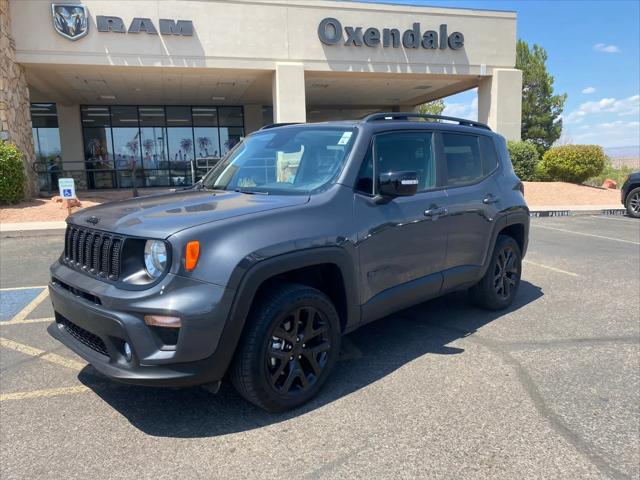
x=95, y=319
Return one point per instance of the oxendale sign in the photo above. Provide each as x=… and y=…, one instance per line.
x=330, y=32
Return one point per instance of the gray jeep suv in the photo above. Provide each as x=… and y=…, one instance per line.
x=300, y=234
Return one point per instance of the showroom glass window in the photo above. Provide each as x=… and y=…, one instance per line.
x=158, y=145
x=46, y=142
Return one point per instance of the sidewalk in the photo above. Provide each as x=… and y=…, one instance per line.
x=21, y=229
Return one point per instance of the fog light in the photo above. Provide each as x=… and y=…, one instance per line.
x=162, y=321
x=128, y=355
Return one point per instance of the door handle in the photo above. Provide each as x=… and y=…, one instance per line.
x=435, y=212
x=490, y=198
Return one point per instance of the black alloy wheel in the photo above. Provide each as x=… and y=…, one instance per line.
x=505, y=273
x=298, y=351
x=288, y=347
x=499, y=285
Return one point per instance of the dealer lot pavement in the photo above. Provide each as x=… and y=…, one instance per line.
x=549, y=388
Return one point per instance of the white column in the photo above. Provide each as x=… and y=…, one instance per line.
x=500, y=102
x=289, y=93
x=252, y=118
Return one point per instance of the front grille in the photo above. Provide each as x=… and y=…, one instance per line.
x=94, y=252
x=83, y=336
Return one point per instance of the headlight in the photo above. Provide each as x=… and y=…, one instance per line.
x=155, y=257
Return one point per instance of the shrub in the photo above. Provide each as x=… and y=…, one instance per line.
x=525, y=158
x=12, y=176
x=571, y=163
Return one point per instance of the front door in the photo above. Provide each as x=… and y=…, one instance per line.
x=402, y=243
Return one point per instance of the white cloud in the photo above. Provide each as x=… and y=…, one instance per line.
x=463, y=110
x=604, y=48
x=588, y=90
x=608, y=134
x=622, y=107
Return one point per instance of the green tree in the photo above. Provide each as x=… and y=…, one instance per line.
x=541, y=109
x=434, y=107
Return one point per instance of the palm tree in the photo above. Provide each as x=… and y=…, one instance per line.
x=148, y=145
x=133, y=146
x=185, y=145
x=203, y=144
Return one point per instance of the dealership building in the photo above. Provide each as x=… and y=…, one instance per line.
x=91, y=88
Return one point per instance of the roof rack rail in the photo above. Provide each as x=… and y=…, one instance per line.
x=274, y=125
x=406, y=116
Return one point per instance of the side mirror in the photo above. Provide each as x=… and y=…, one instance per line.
x=398, y=184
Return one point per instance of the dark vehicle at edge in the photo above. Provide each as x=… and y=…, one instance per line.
x=300, y=234
x=630, y=194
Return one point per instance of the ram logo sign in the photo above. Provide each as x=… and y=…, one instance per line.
x=70, y=21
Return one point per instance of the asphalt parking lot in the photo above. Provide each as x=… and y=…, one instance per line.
x=547, y=389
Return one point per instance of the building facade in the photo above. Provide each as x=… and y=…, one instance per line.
x=155, y=92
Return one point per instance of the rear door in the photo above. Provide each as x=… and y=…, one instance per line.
x=468, y=163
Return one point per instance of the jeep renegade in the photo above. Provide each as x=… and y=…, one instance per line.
x=302, y=233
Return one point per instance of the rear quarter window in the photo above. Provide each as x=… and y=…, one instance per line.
x=489, y=155
x=462, y=158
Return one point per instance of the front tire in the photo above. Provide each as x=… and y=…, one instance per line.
x=632, y=203
x=289, y=346
x=499, y=286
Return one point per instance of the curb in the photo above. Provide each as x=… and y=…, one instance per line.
x=47, y=232
x=574, y=213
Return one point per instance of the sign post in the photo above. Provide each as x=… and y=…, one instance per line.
x=67, y=189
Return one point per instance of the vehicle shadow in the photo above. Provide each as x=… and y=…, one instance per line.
x=368, y=354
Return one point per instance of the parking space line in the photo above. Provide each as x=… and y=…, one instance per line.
x=21, y=288
x=28, y=321
x=36, y=352
x=587, y=234
x=50, y=392
x=31, y=306
x=553, y=269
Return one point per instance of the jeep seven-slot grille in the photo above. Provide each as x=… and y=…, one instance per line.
x=94, y=252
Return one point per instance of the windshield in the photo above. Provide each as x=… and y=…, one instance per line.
x=284, y=160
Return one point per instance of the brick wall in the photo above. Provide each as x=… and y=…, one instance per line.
x=15, y=116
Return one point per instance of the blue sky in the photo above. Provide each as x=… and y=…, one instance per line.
x=594, y=52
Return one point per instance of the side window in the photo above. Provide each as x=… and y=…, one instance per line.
x=489, y=156
x=462, y=156
x=407, y=151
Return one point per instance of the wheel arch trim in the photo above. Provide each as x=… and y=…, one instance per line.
x=250, y=279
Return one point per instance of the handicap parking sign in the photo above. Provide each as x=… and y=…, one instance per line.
x=67, y=188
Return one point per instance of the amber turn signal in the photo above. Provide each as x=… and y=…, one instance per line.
x=191, y=254
x=162, y=321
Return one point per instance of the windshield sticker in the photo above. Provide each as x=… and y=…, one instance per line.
x=346, y=136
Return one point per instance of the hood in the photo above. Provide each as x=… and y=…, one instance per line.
x=159, y=216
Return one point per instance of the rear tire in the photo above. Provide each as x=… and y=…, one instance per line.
x=499, y=286
x=289, y=346
x=632, y=203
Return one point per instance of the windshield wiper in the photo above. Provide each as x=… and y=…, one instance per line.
x=250, y=192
